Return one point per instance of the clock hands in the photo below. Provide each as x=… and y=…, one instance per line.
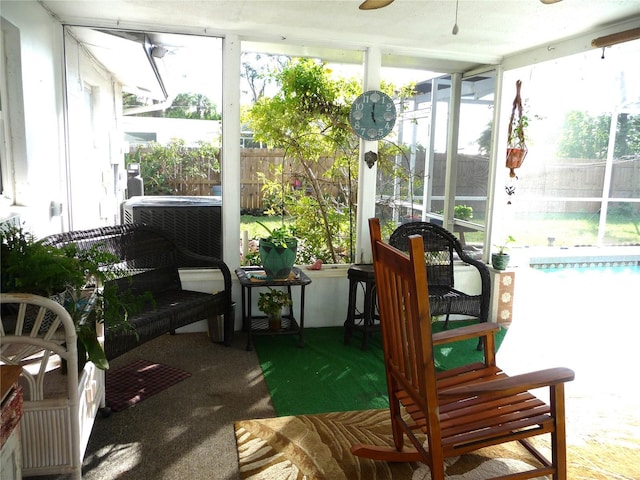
x=373, y=113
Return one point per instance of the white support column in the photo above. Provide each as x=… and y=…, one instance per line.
x=452, y=151
x=608, y=171
x=367, y=176
x=231, y=151
x=427, y=179
x=496, y=156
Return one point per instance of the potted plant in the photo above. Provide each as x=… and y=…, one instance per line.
x=278, y=252
x=501, y=258
x=73, y=278
x=516, y=138
x=272, y=303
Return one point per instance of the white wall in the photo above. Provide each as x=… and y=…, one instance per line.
x=326, y=298
x=92, y=187
x=97, y=176
x=39, y=164
x=166, y=129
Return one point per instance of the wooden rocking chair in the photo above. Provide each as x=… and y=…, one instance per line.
x=459, y=410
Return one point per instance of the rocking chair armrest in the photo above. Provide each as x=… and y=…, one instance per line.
x=464, y=333
x=512, y=385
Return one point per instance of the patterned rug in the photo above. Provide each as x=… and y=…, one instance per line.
x=137, y=381
x=316, y=447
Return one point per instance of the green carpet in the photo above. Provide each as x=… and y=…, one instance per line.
x=328, y=376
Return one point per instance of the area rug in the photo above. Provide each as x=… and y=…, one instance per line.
x=349, y=378
x=138, y=381
x=317, y=447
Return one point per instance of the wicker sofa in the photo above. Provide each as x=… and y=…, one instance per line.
x=149, y=262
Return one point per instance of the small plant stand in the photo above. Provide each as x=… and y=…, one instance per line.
x=255, y=277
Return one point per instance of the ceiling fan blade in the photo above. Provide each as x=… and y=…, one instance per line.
x=549, y=2
x=373, y=4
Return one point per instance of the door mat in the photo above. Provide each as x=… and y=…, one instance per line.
x=139, y=380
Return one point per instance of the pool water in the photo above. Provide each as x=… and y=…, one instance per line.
x=594, y=272
x=582, y=318
x=593, y=291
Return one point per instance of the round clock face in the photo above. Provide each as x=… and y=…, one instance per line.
x=373, y=115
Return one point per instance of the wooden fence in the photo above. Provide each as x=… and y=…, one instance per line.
x=253, y=163
x=563, y=178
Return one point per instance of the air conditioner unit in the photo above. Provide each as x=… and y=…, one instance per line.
x=192, y=222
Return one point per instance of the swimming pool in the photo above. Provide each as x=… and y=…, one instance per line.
x=594, y=290
x=594, y=271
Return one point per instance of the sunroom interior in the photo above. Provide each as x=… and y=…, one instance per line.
x=95, y=58
x=65, y=65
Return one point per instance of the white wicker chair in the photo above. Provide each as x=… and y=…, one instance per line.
x=36, y=335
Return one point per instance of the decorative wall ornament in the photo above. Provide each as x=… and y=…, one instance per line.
x=370, y=158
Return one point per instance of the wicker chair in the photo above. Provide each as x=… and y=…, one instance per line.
x=441, y=248
x=38, y=334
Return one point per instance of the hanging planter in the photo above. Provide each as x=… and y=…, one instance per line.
x=516, y=144
x=515, y=157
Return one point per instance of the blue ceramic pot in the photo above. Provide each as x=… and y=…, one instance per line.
x=277, y=260
x=500, y=261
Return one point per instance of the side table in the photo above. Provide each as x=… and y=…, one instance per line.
x=254, y=277
x=367, y=320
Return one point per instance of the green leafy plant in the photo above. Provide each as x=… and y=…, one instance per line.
x=168, y=169
x=517, y=137
x=29, y=266
x=308, y=119
x=504, y=246
x=272, y=302
x=78, y=279
x=278, y=236
x=463, y=212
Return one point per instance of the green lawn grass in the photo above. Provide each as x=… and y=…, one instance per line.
x=250, y=224
x=569, y=229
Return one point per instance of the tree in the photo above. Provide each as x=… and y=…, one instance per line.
x=587, y=136
x=168, y=169
x=308, y=119
x=258, y=70
x=484, y=141
x=184, y=105
x=192, y=105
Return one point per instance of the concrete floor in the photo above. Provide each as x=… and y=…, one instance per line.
x=187, y=430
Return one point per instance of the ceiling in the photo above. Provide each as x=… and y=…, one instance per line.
x=410, y=33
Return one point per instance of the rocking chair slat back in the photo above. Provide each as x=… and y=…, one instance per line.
x=459, y=410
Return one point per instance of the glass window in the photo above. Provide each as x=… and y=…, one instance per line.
x=423, y=129
x=154, y=97
x=580, y=181
x=474, y=153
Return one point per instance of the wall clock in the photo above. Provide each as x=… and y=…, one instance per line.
x=372, y=115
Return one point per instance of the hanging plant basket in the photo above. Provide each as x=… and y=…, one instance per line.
x=516, y=144
x=515, y=158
